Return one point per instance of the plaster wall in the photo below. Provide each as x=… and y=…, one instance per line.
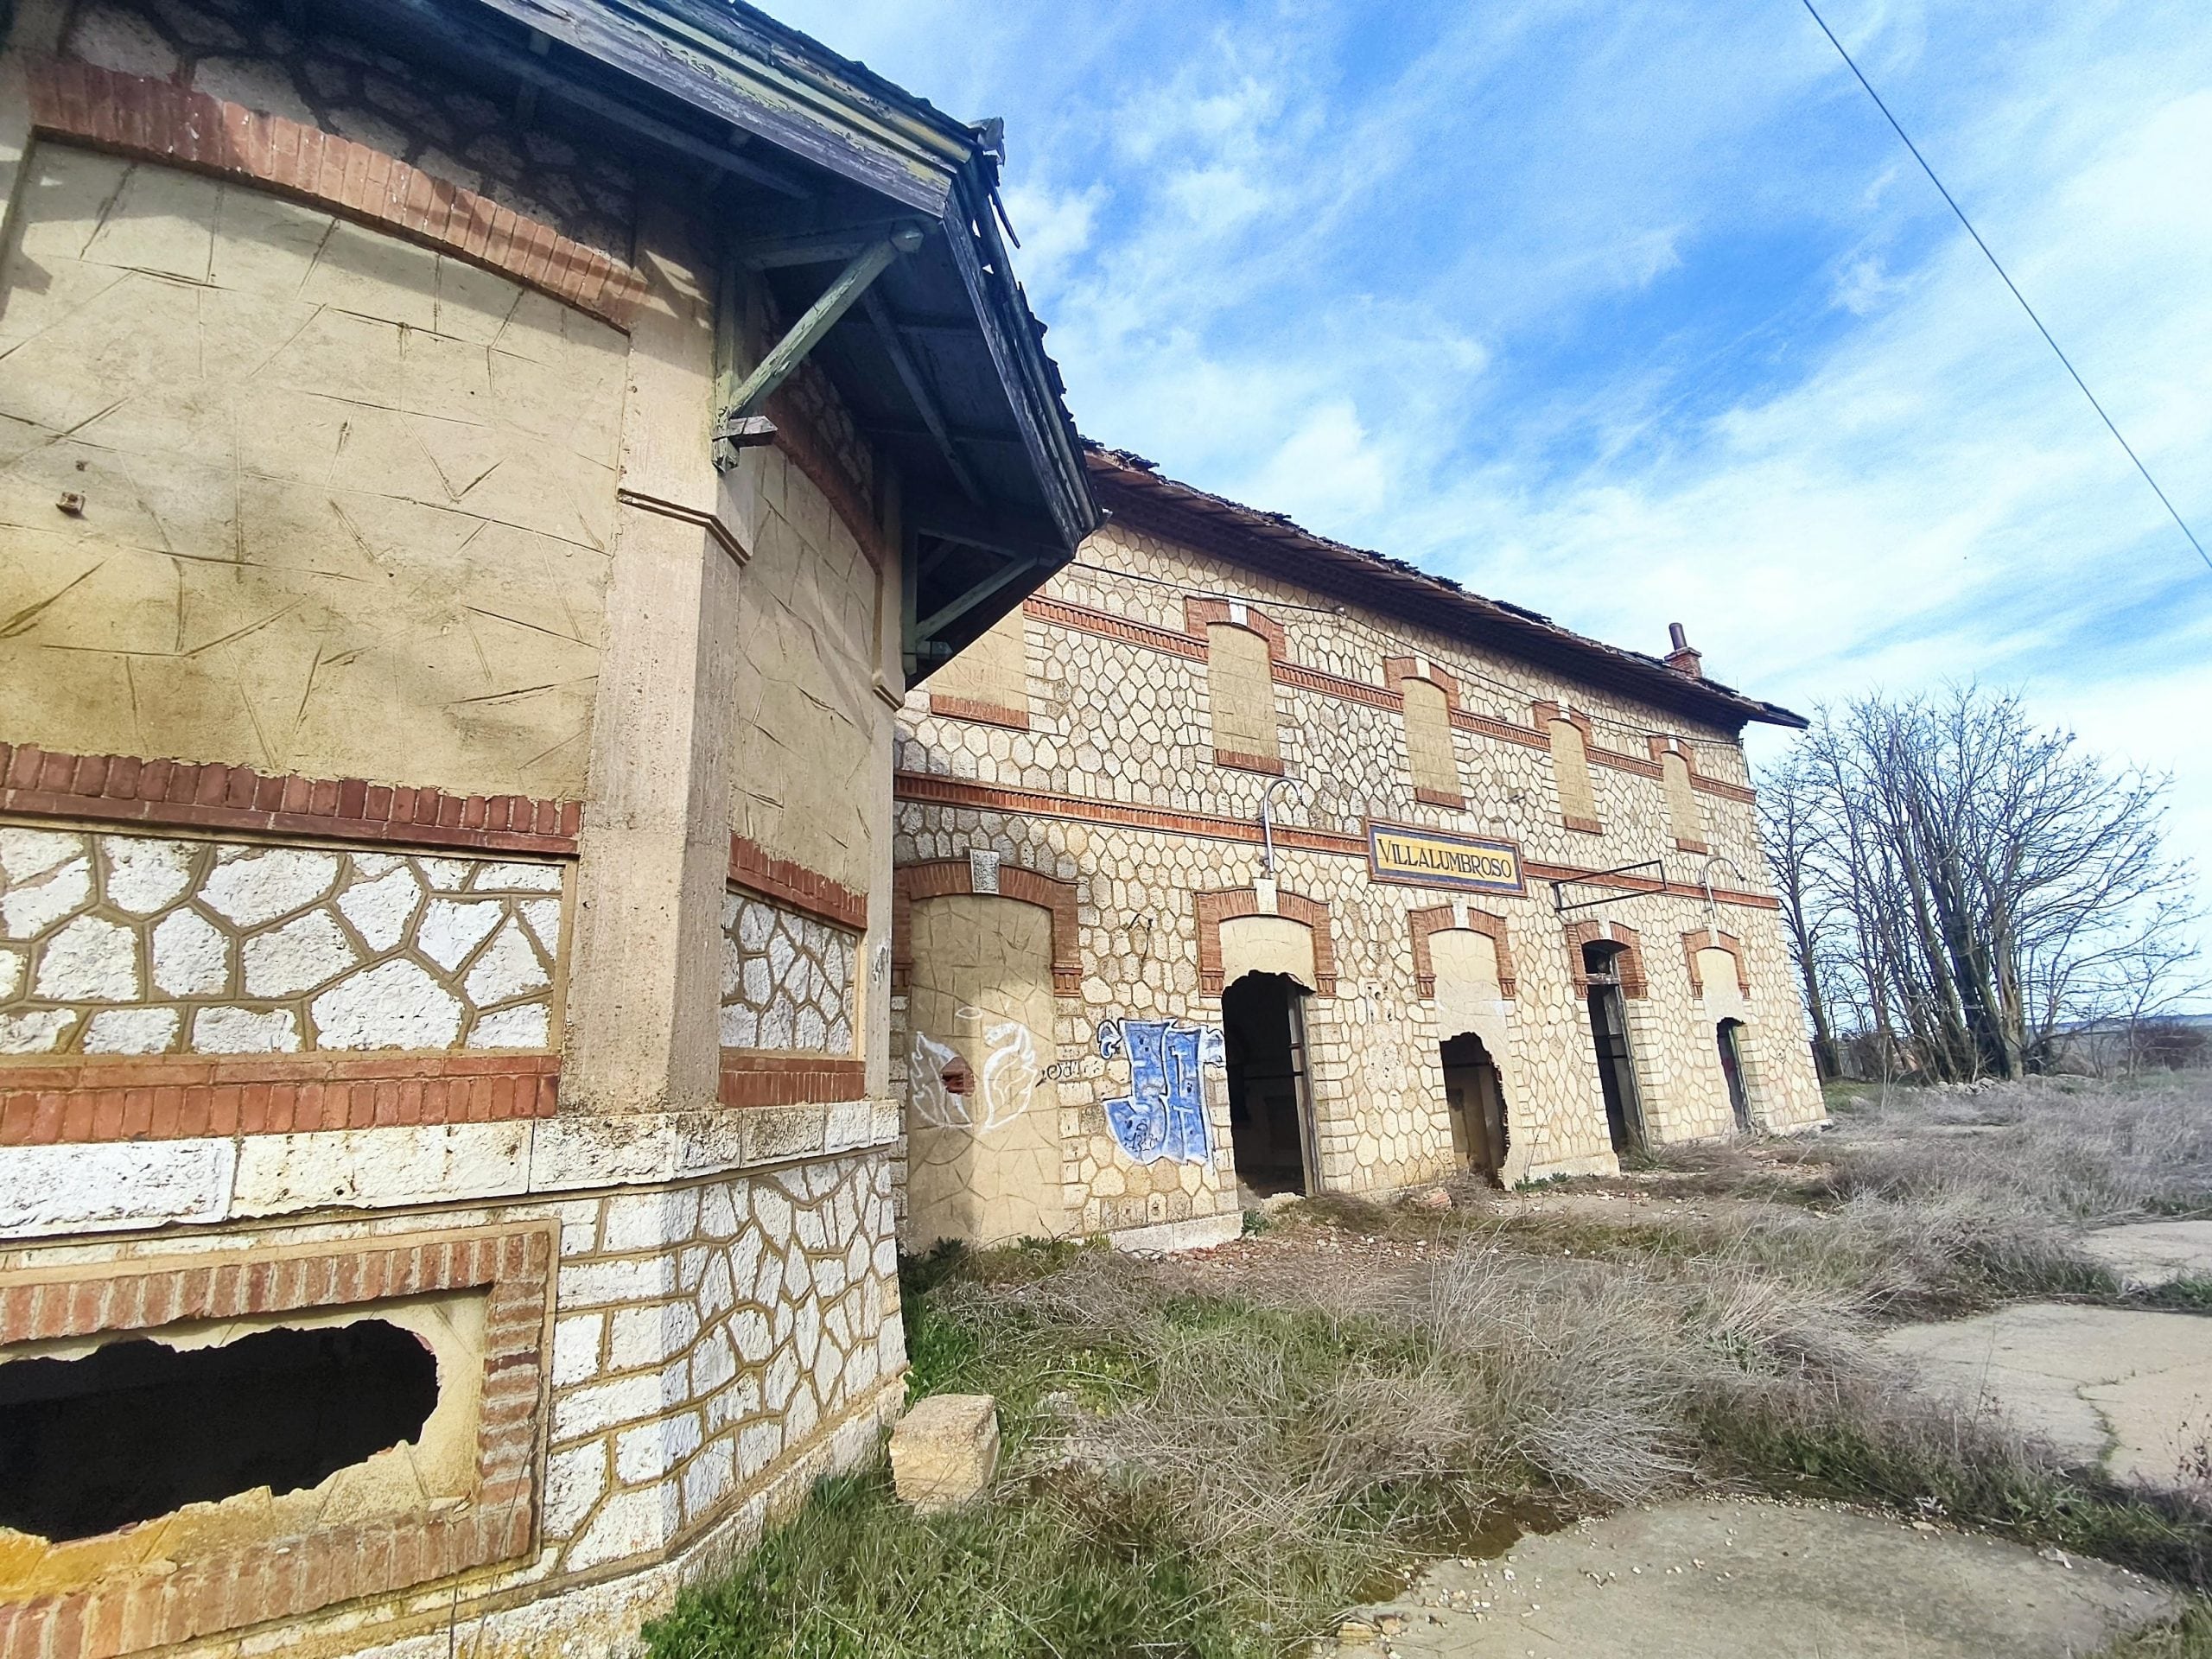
x=354, y=509
x=809, y=738
x=982, y=1164
x=343, y=504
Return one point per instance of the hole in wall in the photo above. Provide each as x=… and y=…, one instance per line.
x=135, y=1429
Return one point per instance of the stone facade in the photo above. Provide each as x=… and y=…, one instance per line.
x=1119, y=786
x=142, y=945
x=445, y=826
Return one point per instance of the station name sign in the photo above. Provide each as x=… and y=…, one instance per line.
x=1430, y=858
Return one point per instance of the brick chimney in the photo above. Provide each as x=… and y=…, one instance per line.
x=1684, y=658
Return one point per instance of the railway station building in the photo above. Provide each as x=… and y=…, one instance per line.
x=1238, y=861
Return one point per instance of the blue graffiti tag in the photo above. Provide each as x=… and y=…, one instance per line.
x=1163, y=1114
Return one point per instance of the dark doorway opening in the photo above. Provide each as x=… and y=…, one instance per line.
x=134, y=1429
x=1478, y=1102
x=1616, y=1060
x=1729, y=1035
x=1271, y=1118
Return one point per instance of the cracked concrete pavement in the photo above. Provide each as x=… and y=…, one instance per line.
x=1739, y=1579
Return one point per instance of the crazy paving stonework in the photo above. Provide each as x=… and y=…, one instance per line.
x=1118, y=785
x=787, y=979
x=704, y=1333
x=123, y=944
x=246, y=53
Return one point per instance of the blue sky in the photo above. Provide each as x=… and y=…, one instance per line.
x=1637, y=312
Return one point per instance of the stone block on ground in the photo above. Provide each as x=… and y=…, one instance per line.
x=945, y=1450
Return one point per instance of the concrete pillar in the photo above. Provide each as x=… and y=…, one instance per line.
x=644, y=992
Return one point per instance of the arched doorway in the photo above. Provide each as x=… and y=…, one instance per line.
x=1601, y=966
x=1271, y=1107
x=982, y=1137
x=1476, y=1099
x=1729, y=1036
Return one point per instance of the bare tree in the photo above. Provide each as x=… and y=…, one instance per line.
x=1793, y=831
x=1964, y=884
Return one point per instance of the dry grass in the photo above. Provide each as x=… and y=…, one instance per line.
x=2073, y=1150
x=1216, y=1457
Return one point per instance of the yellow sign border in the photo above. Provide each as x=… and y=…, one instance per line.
x=1377, y=828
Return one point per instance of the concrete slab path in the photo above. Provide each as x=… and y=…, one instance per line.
x=2131, y=1390
x=2153, y=1253
x=1725, y=1578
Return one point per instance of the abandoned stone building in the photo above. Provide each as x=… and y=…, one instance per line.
x=476, y=491
x=1238, y=862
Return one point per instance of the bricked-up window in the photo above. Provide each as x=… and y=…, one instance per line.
x=1578, y=798
x=1241, y=692
x=137, y=1429
x=1682, y=804
x=988, y=681
x=1428, y=739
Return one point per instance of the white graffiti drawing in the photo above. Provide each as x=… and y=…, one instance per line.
x=932, y=1102
x=1010, y=1067
x=1004, y=1085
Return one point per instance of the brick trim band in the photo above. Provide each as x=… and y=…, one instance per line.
x=974, y=709
x=250, y=1584
x=138, y=115
x=1437, y=798
x=1326, y=684
x=928, y=789
x=1440, y=919
x=1633, y=982
x=754, y=868
x=1083, y=619
x=186, y=1096
x=185, y=795
x=1705, y=938
x=1238, y=762
x=1214, y=908
x=947, y=878
x=758, y=1077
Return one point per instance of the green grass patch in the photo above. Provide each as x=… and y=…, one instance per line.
x=2190, y=1293
x=856, y=1576
x=2187, y=1636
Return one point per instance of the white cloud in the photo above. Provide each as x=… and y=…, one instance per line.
x=1640, y=314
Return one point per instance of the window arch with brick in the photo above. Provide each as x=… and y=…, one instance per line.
x=1244, y=645
x=984, y=873
x=1428, y=697
x=1214, y=908
x=1630, y=964
x=1678, y=771
x=1701, y=952
x=1570, y=734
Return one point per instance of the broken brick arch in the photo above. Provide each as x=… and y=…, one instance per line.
x=1423, y=923
x=1633, y=982
x=1706, y=938
x=1228, y=905
x=945, y=878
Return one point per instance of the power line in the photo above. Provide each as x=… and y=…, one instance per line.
x=1995, y=265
